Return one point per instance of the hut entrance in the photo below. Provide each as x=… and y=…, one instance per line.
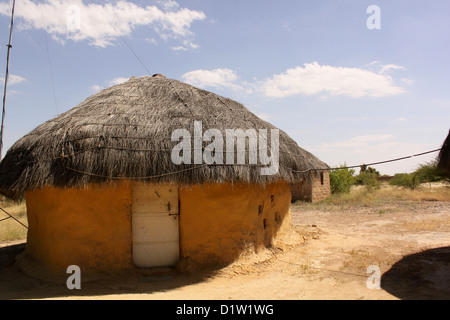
x=155, y=225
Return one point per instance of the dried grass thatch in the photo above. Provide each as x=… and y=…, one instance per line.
x=444, y=155
x=124, y=132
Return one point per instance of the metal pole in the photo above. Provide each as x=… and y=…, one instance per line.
x=6, y=77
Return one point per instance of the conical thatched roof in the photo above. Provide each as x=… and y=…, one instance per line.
x=444, y=154
x=124, y=132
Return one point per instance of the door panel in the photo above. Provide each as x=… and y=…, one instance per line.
x=155, y=225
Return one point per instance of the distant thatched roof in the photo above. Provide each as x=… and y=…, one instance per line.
x=124, y=132
x=444, y=154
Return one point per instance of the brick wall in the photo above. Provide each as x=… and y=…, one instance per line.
x=321, y=186
x=312, y=191
x=301, y=191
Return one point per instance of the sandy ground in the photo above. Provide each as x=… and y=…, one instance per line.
x=327, y=256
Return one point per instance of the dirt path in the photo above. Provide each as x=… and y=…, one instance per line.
x=326, y=258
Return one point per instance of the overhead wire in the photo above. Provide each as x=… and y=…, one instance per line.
x=125, y=42
x=366, y=164
x=51, y=72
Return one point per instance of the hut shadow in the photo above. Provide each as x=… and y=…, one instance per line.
x=15, y=283
x=8, y=254
x=420, y=276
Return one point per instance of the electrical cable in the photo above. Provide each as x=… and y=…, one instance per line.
x=11, y=216
x=51, y=72
x=125, y=42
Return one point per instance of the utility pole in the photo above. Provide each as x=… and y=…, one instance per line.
x=6, y=77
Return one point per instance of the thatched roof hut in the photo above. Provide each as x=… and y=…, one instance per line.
x=444, y=155
x=100, y=182
x=124, y=132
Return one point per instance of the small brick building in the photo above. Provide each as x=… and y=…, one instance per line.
x=315, y=190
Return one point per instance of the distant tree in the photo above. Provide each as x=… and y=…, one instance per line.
x=368, y=177
x=365, y=168
x=341, y=179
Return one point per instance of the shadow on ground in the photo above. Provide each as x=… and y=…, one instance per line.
x=424, y=275
x=15, y=283
x=420, y=276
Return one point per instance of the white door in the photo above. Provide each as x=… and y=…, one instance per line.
x=155, y=225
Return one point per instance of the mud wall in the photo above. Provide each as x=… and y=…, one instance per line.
x=88, y=227
x=219, y=221
x=91, y=227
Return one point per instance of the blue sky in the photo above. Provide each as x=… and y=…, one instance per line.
x=314, y=69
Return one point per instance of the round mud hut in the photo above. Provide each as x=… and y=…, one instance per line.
x=153, y=172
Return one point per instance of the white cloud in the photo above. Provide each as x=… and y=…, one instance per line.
x=356, y=143
x=408, y=81
x=179, y=48
x=13, y=79
x=113, y=82
x=102, y=24
x=118, y=80
x=381, y=68
x=336, y=81
x=388, y=67
x=372, y=137
x=151, y=41
x=311, y=79
x=97, y=88
x=285, y=25
x=168, y=4
x=264, y=116
x=217, y=78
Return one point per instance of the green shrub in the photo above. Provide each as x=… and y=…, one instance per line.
x=368, y=179
x=341, y=180
x=429, y=172
x=404, y=180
